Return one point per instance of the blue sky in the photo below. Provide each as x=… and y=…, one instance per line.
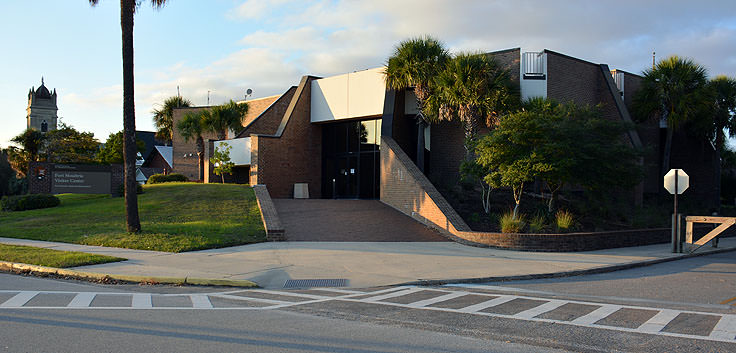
x=228, y=46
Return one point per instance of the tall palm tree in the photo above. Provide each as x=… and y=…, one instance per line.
x=127, y=9
x=414, y=63
x=674, y=91
x=163, y=117
x=229, y=116
x=191, y=127
x=473, y=88
x=723, y=89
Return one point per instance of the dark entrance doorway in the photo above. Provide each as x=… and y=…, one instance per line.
x=351, y=157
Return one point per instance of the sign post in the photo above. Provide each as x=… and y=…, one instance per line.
x=676, y=181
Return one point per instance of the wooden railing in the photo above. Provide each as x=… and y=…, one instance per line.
x=690, y=220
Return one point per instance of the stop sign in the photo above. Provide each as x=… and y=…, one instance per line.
x=683, y=181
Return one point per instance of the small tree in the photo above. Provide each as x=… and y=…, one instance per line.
x=112, y=151
x=561, y=144
x=221, y=159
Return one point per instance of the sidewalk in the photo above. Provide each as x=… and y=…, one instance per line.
x=363, y=264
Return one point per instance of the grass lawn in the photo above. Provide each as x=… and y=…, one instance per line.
x=51, y=258
x=175, y=217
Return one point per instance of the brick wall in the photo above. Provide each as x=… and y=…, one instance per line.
x=294, y=153
x=269, y=120
x=256, y=107
x=187, y=165
x=406, y=189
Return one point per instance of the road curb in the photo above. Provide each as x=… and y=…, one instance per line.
x=108, y=277
x=596, y=270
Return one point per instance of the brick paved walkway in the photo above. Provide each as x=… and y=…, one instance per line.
x=349, y=220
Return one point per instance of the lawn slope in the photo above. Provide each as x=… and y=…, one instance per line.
x=175, y=217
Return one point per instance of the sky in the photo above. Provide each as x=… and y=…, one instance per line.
x=225, y=47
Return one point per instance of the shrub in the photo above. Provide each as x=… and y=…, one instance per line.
x=511, y=225
x=538, y=224
x=28, y=202
x=565, y=220
x=163, y=178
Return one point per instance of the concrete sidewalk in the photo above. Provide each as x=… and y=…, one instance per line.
x=363, y=264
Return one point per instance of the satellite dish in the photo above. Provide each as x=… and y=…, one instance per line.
x=248, y=91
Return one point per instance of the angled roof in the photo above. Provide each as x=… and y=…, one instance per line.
x=167, y=152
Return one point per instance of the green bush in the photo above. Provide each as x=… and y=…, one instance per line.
x=565, y=221
x=511, y=225
x=28, y=202
x=538, y=224
x=163, y=178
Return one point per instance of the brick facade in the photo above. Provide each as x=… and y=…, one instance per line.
x=294, y=153
x=268, y=120
x=184, y=153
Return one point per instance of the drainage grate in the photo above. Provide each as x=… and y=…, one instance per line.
x=311, y=283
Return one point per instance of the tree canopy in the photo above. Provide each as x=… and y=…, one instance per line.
x=112, y=151
x=163, y=117
x=560, y=144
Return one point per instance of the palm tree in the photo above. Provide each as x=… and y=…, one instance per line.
x=163, y=117
x=191, y=127
x=473, y=88
x=127, y=9
x=229, y=116
x=414, y=63
x=723, y=89
x=675, y=92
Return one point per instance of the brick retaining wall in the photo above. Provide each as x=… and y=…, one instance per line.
x=406, y=189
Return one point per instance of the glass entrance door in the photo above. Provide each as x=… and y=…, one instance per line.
x=350, y=159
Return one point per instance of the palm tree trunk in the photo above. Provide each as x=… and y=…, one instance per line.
x=421, y=125
x=719, y=149
x=667, y=153
x=129, y=148
x=200, y=157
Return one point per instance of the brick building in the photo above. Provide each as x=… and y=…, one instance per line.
x=346, y=136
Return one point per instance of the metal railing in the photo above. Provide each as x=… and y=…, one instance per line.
x=618, y=78
x=533, y=64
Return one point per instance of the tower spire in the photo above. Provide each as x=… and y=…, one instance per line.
x=41, y=80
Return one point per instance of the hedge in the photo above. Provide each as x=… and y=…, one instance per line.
x=164, y=178
x=28, y=202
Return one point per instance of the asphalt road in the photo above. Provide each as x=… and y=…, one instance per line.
x=679, y=306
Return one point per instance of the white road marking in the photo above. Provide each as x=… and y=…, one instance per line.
x=390, y=295
x=200, y=301
x=659, y=321
x=441, y=298
x=19, y=299
x=725, y=329
x=82, y=300
x=142, y=300
x=597, y=314
x=539, y=310
x=487, y=304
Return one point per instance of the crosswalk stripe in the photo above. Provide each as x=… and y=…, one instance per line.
x=260, y=300
x=488, y=303
x=82, y=300
x=391, y=295
x=597, y=314
x=659, y=321
x=546, y=307
x=142, y=300
x=19, y=299
x=200, y=301
x=441, y=298
x=725, y=329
